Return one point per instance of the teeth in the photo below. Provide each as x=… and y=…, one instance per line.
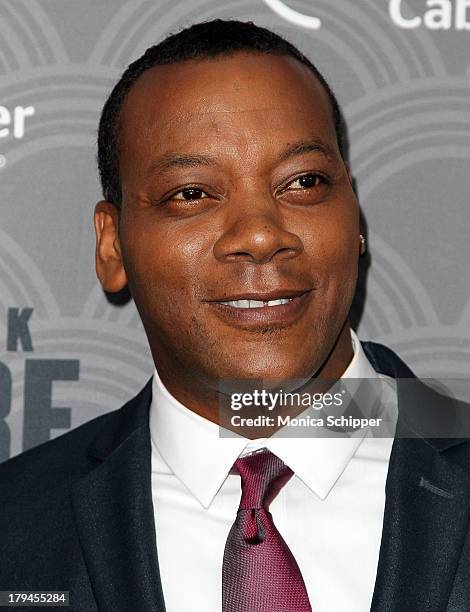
x=256, y=303
x=241, y=304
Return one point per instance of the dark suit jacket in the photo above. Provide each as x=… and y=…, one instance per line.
x=76, y=513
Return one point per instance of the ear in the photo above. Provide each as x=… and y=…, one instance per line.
x=109, y=266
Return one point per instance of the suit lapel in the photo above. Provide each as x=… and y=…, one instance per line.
x=427, y=508
x=114, y=513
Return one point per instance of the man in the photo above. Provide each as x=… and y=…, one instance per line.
x=230, y=214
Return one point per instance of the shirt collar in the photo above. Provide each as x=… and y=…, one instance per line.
x=192, y=448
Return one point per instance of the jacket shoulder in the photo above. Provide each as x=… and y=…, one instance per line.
x=62, y=457
x=65, y=458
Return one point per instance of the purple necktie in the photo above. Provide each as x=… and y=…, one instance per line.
x=259, y=571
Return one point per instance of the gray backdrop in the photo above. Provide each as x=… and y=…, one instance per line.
x=401, y=72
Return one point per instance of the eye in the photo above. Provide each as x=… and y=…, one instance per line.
x=189, y=193
x=187, y=200
x=307, y=181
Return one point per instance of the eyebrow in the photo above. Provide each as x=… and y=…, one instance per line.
x=307, y=146
x=180, y=160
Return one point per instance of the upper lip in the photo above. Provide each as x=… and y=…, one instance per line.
x=262, y=296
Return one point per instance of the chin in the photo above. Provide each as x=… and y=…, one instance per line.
x=271, y=367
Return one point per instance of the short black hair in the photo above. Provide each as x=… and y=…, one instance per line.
x=200, y=41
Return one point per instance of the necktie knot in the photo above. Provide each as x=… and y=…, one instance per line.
x=263, y=475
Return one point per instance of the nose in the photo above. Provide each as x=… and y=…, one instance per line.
x=257, y=235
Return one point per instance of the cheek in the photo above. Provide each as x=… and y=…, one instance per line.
x=164, y=271
x=333, y=242
x=342, y=276
x=335, y=249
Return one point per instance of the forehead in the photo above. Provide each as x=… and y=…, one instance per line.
x=229, y=99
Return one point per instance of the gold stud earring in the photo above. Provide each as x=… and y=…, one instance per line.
x=363, y=244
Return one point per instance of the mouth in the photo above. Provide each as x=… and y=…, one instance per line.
x=277, y=308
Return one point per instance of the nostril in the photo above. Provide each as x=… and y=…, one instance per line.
x=246, y=256
x=241, y=256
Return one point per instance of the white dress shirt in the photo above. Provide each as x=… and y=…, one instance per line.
x=329, y=513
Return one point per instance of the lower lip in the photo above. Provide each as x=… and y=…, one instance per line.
x=283, y=314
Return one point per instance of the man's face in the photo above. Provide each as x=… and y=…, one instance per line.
x=233, y=190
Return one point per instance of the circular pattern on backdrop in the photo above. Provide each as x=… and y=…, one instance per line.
x=29, y=38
